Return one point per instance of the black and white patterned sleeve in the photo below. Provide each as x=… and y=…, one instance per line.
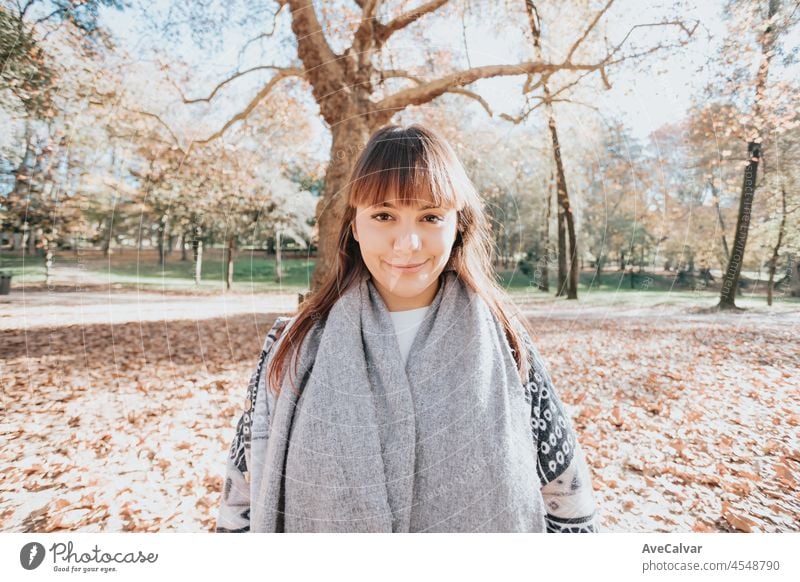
x=563, y=473
x=234, y=511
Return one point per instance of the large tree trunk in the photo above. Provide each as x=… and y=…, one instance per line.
x=730, y=281
x=349, y=138
x=776, y=250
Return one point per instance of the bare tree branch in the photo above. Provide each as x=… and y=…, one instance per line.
x=472, y=95
x=679, y=23
x=430, y=90
x=543, y=100
x=163, y=123
x=242, y=115
x=398, y=74
x=263, y=34
x=291, y=71
x=588, y=30
x=384, y=31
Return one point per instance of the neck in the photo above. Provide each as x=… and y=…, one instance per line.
x=394, y=303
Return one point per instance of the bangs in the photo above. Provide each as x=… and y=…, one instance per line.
x=407, y=169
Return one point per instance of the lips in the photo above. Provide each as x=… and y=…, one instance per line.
x=407, y=268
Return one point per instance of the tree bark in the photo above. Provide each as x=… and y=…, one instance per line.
x=730, y=281
x=776, y=250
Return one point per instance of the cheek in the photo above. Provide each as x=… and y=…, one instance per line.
x=442, y=241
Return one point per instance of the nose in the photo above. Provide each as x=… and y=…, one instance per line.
x=407, y=241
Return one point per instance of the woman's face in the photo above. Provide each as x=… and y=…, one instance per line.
x=391, y=237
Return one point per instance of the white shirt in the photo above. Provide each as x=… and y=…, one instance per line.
x=406, y=324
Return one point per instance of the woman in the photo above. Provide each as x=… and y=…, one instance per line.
x=417, y=401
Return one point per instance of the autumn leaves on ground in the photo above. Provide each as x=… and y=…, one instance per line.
x=689, y=420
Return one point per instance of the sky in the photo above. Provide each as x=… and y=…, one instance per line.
x=644, y=101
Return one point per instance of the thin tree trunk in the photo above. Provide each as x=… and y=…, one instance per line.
x=107, y=239
x=278, y=258
x=31, y=241
x=562, y=253
x=229, y=262
x=793, y=274
x=730, y=281
x=572, y=292
x=776, y=250
x=544, y=284
x=48, y=261
x=162, y=234
x=184, y=257
x=197, y=248
x=565, y=218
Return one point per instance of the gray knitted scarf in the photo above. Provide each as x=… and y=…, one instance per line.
x=356, y=453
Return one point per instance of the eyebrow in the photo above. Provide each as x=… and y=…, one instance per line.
x=429, y=206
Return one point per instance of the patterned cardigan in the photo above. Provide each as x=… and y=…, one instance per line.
x=563, y=473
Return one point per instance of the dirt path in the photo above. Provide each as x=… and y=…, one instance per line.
x=42, y=309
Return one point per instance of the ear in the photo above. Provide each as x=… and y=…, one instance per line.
x=353, y=228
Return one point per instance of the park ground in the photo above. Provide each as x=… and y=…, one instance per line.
x=122, y=385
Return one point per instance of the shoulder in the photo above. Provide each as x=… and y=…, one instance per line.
x=279, y=326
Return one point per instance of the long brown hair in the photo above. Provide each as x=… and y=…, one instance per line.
x=408, y=164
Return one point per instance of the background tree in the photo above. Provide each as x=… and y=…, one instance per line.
x=343, y=56
x=769, y=29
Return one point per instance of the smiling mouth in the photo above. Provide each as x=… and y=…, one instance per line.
x=406, y=267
